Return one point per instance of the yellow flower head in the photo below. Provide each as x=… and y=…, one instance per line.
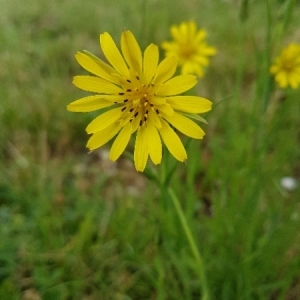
x=190, y=48
x=140, y=97
x=286, y=67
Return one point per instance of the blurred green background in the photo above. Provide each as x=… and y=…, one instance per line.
x=74, y=225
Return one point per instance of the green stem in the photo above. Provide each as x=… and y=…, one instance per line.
x=144, y=7
x=289, y=9
x=194, y=248
x=267, y=55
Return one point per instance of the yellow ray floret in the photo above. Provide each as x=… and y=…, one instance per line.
x=140, y=97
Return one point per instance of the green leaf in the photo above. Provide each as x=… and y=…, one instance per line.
x=196, y=117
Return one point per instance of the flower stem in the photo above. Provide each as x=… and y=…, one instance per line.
x=268, y=79
x=194, y=248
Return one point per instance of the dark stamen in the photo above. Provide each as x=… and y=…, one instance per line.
x=131, y=109
x=141, y=123
x=135, y=115
x=137, y=77
x=126, y=100
x=157, y=111
x=129, y=90
x=121, y=94
x=146, y=113
x=123, y=109
x=128, y=80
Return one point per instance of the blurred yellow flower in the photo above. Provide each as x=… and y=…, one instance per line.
x=286, y=67
x=190, y=47
x=140, y=97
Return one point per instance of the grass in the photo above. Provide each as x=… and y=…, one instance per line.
x=76, y=226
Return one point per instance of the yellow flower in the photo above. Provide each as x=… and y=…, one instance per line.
x=190, y=48
x=140, y=97
x=286, y=67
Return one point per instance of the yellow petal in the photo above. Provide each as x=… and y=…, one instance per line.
x=95, y=84
x=89, y=103
x=177, y=85
x=158, y=100
x=112, y=54
x=98, y=67
x=192, y=28
x=293, y=82
x=115, y=98
x=165, y=70
x=151, y=57
x=135, y=124
x=120, y=142
x=104, y=120
x=183, y=28
x=190, y=104
x=140, y=150
x=185, y=125
x=154, y=143
x=201, y=35
x=131, y=51
x=126, y=118
x=208, y=50
x=281, y=79
x=201, y=60
x=172, y=141
x=154, y=118
x=120, y=80
x=168, y=46
x=175, y=33
x=273, y=69
x=190, y=67
x=166, y=109
x=102, y=137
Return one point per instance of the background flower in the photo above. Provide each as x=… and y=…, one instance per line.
x=190, y=47
x=286, y=67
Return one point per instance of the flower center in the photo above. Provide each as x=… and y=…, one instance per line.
x=137, y=103
x=288, y=65
x=187, y=51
